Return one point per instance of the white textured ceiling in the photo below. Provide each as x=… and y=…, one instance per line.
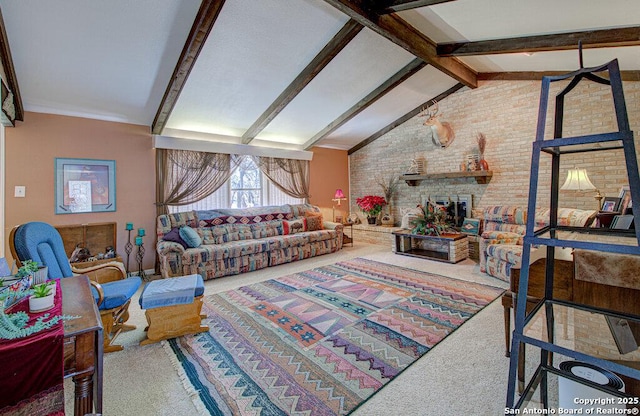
x=113, y=60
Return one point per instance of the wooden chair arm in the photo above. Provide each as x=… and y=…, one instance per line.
x=98, y=287
x=103, y=273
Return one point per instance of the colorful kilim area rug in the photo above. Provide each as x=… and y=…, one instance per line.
x=320, y=342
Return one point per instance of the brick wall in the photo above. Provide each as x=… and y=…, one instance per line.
x=506, y=112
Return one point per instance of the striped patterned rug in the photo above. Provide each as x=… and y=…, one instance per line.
x=320, y=342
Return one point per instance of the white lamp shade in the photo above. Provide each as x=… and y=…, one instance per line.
x=577, y=180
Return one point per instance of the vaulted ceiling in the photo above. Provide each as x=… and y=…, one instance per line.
x=292, y=74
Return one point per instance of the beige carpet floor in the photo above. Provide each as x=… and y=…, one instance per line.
x=466, y=374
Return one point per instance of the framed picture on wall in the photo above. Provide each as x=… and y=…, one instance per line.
x=85, y=185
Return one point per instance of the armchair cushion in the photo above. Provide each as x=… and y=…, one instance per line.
x=117, y=293
x=502, y=237
x=511, y=253
x=42, y=243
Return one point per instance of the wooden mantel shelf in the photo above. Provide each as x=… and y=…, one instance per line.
x=481, y=176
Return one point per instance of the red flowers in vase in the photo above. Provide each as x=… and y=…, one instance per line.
x=371, y=204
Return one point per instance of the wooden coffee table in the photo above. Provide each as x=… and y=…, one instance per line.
x=450, y=248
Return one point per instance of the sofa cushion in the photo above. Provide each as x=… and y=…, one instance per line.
x=314, y=221
x=300, y=210
x=507, y=252
x=267, y=229
x=299, y=225
x=501, y=237
x=509, y=214
x=168, y=221
x=174, y=235
x=190, y=236
x=241, y=212
x=214, y=252
x=566, y=217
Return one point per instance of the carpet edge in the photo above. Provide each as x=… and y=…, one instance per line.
x=193, y=394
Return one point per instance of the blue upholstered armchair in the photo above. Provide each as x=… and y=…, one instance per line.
x=42, y=243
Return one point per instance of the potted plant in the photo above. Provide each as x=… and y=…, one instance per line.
x=42, y=298
x=32, y=268
x=431, y=222
x=371, y=205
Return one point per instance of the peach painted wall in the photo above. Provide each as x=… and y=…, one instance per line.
x=33, y=145
x=31, y=149
x=329, y=171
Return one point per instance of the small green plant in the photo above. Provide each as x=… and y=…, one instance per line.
x=42, y=290
x=28, y=267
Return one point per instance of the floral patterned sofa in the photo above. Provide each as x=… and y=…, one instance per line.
x=242, y=240
x=503, y=229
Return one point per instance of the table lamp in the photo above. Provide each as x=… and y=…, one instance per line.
x=337, y=198
x=578, y=180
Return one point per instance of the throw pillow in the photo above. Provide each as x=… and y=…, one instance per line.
x=190, y=236
x=174, y=235
x=295, y=226
x=314, y=221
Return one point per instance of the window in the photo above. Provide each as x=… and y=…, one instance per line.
x=247, y=187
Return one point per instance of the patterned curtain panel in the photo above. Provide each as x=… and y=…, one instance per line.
x=291, y=176
x=185, y=176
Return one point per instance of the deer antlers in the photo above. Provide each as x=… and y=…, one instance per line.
x=441, y=133
x=430, y=113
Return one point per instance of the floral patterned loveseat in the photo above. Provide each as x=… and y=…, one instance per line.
x=503, y=229
x=242, y=240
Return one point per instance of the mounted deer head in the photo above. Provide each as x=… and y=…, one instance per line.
x=441, y=133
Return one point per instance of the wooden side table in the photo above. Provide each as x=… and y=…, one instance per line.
x=347, y=239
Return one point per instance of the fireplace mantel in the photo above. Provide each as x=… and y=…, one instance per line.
x=481, y=176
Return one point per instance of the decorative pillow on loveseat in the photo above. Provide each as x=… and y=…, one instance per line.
x=314, y=221
x=298, y=225
x=190, y=236
x=174, y=235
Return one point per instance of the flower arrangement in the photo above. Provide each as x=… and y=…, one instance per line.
x=371, y=204
x=432, y=220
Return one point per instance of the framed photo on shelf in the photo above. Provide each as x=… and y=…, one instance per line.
x=622, y=222
x=85, y=185
x=611, y=204
x=625, y=199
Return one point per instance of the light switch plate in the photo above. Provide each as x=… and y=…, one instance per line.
x=20, y=191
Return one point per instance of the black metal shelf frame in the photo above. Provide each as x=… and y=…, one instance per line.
x=556, y=147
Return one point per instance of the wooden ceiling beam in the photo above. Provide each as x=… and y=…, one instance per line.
x=10, y=71
x=404, y=35
x=537, y=75
x=398, y=78
x=321, y=60
x=394, y=6
x=627, y=36
x=403, y=119
x=202, y=25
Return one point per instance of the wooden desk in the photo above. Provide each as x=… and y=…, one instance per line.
x=82, y=344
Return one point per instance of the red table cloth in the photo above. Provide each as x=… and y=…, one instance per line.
x=32, y=368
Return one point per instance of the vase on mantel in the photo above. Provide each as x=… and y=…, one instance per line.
x=372, y=220
x=483, y=163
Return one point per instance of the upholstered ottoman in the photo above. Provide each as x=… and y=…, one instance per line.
x=173, y=307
